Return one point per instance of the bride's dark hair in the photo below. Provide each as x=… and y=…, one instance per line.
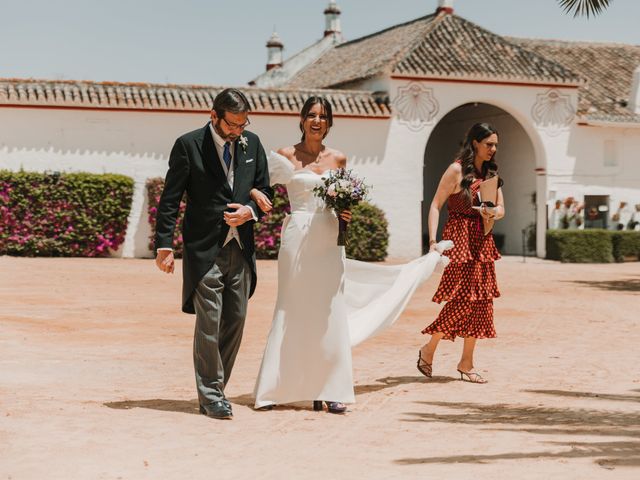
x=467, y=155
x=326, y=109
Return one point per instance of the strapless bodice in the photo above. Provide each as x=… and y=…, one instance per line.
x=299, y=183
x=300, y=191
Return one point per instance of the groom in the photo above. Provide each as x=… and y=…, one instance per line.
x=217, y=166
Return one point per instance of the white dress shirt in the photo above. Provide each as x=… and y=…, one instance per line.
x=229, y=172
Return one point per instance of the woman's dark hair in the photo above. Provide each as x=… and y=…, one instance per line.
x=308, y=105
x=230, y=100
x=467, y=155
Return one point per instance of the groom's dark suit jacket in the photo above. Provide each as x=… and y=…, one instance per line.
x=194, y=167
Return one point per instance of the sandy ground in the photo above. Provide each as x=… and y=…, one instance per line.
x=96, y=382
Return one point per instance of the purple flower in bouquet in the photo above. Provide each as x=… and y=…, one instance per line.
x=340, y=191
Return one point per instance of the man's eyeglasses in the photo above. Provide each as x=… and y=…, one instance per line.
x=235, y=126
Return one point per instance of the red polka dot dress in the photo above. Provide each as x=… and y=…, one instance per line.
x=468, y=283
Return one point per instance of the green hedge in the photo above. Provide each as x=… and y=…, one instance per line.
x=626, y=245
x=63, y=214
x=368, y=232
x=592, y=246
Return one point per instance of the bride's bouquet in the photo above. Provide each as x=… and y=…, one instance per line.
x=340, y=191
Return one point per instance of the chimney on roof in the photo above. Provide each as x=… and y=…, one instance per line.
x=332, y=19
x=274, y=51
x=634, y=98
x=445, y=6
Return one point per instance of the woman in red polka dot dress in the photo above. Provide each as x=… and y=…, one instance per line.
x=468, y=284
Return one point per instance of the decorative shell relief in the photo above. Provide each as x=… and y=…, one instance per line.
x=553, y=111
x=415, y=105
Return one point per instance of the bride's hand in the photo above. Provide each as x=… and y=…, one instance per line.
x=261, y=200
x=346, y=215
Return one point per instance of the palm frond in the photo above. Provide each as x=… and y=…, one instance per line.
x=585, y=8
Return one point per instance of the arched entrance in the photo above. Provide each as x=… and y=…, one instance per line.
x=516, y=164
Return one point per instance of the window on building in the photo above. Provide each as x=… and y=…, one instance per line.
x=596, y=211
x=610, y=154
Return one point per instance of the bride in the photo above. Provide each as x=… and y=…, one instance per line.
x=325, y=303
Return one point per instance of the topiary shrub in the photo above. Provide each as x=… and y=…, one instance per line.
x=626, y=245
x=368, y=233
x=63, y=214
x=580, y=246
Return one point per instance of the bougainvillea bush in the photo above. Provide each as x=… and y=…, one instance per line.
x=368, y=235
x=154, y=190
x=63, y=214
x=269, y=229
x=267, y=232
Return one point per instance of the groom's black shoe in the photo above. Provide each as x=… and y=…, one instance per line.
x=217, y=410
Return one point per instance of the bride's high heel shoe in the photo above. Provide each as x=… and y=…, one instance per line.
x=332, y=407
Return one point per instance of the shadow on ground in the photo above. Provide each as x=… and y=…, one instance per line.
x=181, y=406
x=545, y=421
x=247, y=399
x=391, y=382
x=602, y=396
x=628, y=285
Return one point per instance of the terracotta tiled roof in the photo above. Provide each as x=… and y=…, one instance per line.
x=155, y=97
x=279, y=76
x=608, y=68
x=436, y=46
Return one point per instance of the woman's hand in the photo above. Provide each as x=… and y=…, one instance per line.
x=487, y=212
x=261, y=200
x=346, y=215
x=432, y=245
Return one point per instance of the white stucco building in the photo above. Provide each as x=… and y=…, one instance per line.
x=568, y=114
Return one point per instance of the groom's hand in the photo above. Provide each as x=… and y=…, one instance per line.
x=241, y=215
x=165, y=260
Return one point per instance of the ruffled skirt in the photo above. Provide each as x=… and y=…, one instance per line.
x=468, y=283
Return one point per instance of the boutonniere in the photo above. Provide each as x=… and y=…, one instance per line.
x=244, y=143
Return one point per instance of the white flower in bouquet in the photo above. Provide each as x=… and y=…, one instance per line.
x=345, y=186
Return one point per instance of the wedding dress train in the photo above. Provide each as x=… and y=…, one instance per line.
x=326, y=303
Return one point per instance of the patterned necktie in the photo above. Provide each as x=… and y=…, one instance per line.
x=226, y=155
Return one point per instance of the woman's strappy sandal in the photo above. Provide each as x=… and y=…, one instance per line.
x=425, y=368
x=472, y=377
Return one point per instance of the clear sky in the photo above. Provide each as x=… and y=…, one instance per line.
x=213, y=42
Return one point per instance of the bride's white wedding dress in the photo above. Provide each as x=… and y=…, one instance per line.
x=326, y=303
